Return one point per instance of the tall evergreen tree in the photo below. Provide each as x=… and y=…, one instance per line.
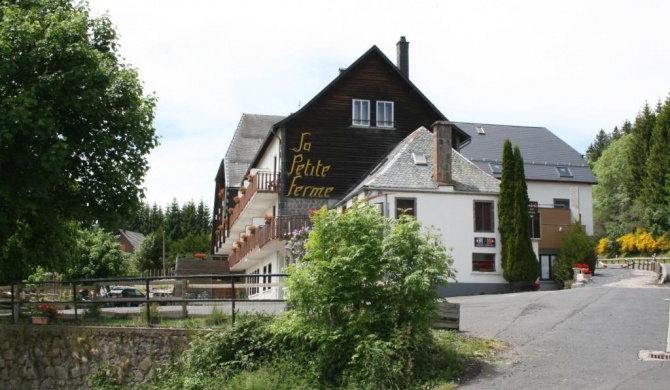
x=655, y=192
x=639, y=149
x=596, y=149
x=506, y=198
x=518, y=258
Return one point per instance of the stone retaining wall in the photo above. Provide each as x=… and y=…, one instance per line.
x=59, y=357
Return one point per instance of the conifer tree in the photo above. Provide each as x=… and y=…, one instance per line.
x=639, y=149
x=506, y=198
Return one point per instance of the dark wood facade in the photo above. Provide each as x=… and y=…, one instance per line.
x=324, y=155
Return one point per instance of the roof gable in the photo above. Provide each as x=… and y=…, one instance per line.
x=251, y=131
x=400, y=170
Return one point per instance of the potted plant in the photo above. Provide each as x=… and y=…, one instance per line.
x=44, y=313
x=268, y=218
x=243, y=190
x=244, y=236
x=236, y=199
x=200, y=256
x=251, y=228
x=485, y=266
x=250, y=177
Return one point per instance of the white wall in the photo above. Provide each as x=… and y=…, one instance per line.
x=451, y=214
x=545, y=192
x=267, y=161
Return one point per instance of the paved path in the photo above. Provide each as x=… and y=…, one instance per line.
x=584, y=338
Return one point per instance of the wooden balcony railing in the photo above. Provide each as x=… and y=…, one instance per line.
x=262, y=182
x=279, y=228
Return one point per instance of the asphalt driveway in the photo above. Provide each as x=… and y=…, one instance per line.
x=584, y=338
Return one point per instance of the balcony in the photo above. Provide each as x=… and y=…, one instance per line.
x=266, y=239
x=258, y=197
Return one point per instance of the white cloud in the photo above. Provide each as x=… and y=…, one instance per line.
x=572, y=66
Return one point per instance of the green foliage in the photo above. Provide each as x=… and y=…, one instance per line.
x=518, y=258
x=577, y=247
x=365, y=282
x=75, y=128
x=602, y=142
x=98, y=255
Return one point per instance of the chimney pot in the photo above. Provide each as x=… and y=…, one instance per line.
x=403, y=56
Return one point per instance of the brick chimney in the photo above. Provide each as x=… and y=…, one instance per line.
x=442, y=152
x=403, y=56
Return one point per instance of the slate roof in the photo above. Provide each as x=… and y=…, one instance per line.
x=399, y=171
x=541, y=149
x=251, y=132
x=135, y=238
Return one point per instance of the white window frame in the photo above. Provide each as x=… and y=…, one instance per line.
x=382, y=120
x=360, y=116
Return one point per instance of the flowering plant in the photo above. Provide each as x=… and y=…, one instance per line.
x=244, y=236
x=251, y=228
x=586, y=272
x=250, y=177
x=243, y=190
x=230, y=210
x=200, y=255
x=296, y=245
x=236, y=199
x=580, y=265
x=485, y=266
x=268, y=217
x=46, y=310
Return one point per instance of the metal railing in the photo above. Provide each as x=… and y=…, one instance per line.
x=279, y=228
x=69, y=299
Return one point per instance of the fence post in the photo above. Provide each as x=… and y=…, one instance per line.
x=148, y=304
x=15, y=307
x=232, y=310
x=74, y=299
x=184, y=286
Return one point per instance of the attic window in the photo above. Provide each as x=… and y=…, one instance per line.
x=480, y=129
x=419, y=159
x=360, y=115
x=496, y=168
x=563, y=171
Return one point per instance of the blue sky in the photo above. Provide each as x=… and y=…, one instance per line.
x=571, y=66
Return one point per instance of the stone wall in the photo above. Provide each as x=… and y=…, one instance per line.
x=59, y=357
x=300, y=206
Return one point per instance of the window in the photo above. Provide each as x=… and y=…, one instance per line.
x=360, y=113
x=534, y=214
x=496, y=168
x=254, y=281
x=380, y=208
x=405, y=207
x=561, y=203
x=484, y=262
x=484, y=216
x=384, y=114
x=564, y=172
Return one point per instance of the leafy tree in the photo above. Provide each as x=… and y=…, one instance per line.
x=518, y=258
x=577, y=247
x=612, y=204
x=75, y=128
x=150, y=254
x=189, y=245
x=366, y=284
x=98, y=256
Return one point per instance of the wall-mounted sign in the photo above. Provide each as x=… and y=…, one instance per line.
x=485, y=242
x=303, y=167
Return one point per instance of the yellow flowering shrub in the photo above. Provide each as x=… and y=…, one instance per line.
x=603, y=246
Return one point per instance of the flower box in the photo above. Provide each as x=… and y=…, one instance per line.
x=39, y=320
x=268, y=218
x=251, y=228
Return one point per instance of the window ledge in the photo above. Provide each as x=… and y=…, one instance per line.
x=486, y=273
x=371, y=127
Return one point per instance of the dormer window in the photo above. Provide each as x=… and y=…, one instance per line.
x=360, y=115
x=384, y=114
x=563, y=171
x=496, y=168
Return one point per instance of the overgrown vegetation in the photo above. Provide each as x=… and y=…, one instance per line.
x=577, y=247
x=363, y=295
x=632, y=199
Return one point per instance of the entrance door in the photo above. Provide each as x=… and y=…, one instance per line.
x=546, y=263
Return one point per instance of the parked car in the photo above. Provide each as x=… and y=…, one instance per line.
x=163, y=297
x=131, y=294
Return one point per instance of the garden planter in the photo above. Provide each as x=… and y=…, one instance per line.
x=38, y=320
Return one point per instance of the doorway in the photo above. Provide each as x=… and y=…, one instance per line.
x=546, y=265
